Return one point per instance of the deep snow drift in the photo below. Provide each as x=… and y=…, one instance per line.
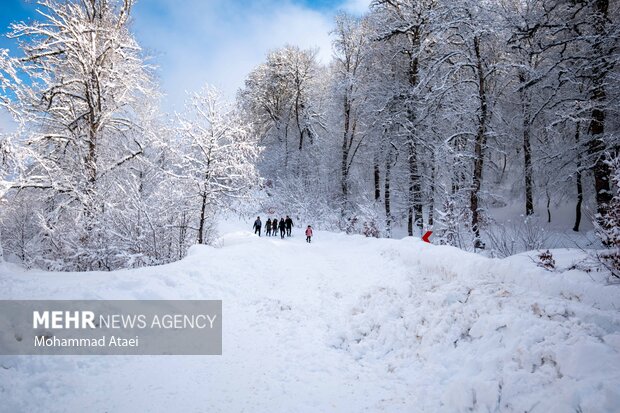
x=346, y=324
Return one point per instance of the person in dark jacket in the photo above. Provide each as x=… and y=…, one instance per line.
x=274, y=227
x=257, y=226
x=268, y=227
x=289, y=225
x=282, y=228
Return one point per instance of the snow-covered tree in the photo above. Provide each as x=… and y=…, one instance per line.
x=278, y=98
x=283, y=98
x=7, y=157
x=8, y=78
x=351, y=48
x=410, y=23
x=84, y=90
x=219, y=153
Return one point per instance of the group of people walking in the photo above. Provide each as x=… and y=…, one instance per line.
x=285, y=225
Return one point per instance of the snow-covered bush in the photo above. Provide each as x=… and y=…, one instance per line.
x=352, y=225
x=450, y=224
x=514, y=237
x=546, y=261
x=370, y=229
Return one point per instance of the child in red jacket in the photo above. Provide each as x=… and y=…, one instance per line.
x=309, y=234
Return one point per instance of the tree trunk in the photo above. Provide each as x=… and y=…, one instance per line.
x=201, y=225
x=1, y=250
x=377, y=173
x=344, y=168
x=548, y=205
x=479, y=148
x=431, y=191
x=386, y=197
x=527, y=148
x=596, y=147
x=579, y=183
x=598, y=96
x=90, y=163
x=182, y=232
x=297, y=120
x=286, y=150
x=414, y=213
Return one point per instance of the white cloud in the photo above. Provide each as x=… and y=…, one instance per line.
x=356, y=6
x=220, y=41
x=7, y=124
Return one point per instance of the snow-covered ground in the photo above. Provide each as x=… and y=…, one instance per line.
x=346, y=324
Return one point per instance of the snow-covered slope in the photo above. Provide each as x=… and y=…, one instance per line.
x=346, y=324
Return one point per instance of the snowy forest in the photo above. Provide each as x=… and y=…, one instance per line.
x=432, y=115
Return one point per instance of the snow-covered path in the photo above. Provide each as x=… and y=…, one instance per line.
x=345, y=324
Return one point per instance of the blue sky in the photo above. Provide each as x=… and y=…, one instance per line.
x=194, y=42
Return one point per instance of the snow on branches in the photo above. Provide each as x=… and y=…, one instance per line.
x=218, y=152
x=82, y=91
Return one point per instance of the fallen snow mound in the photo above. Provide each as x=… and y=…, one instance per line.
x=474, y=334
